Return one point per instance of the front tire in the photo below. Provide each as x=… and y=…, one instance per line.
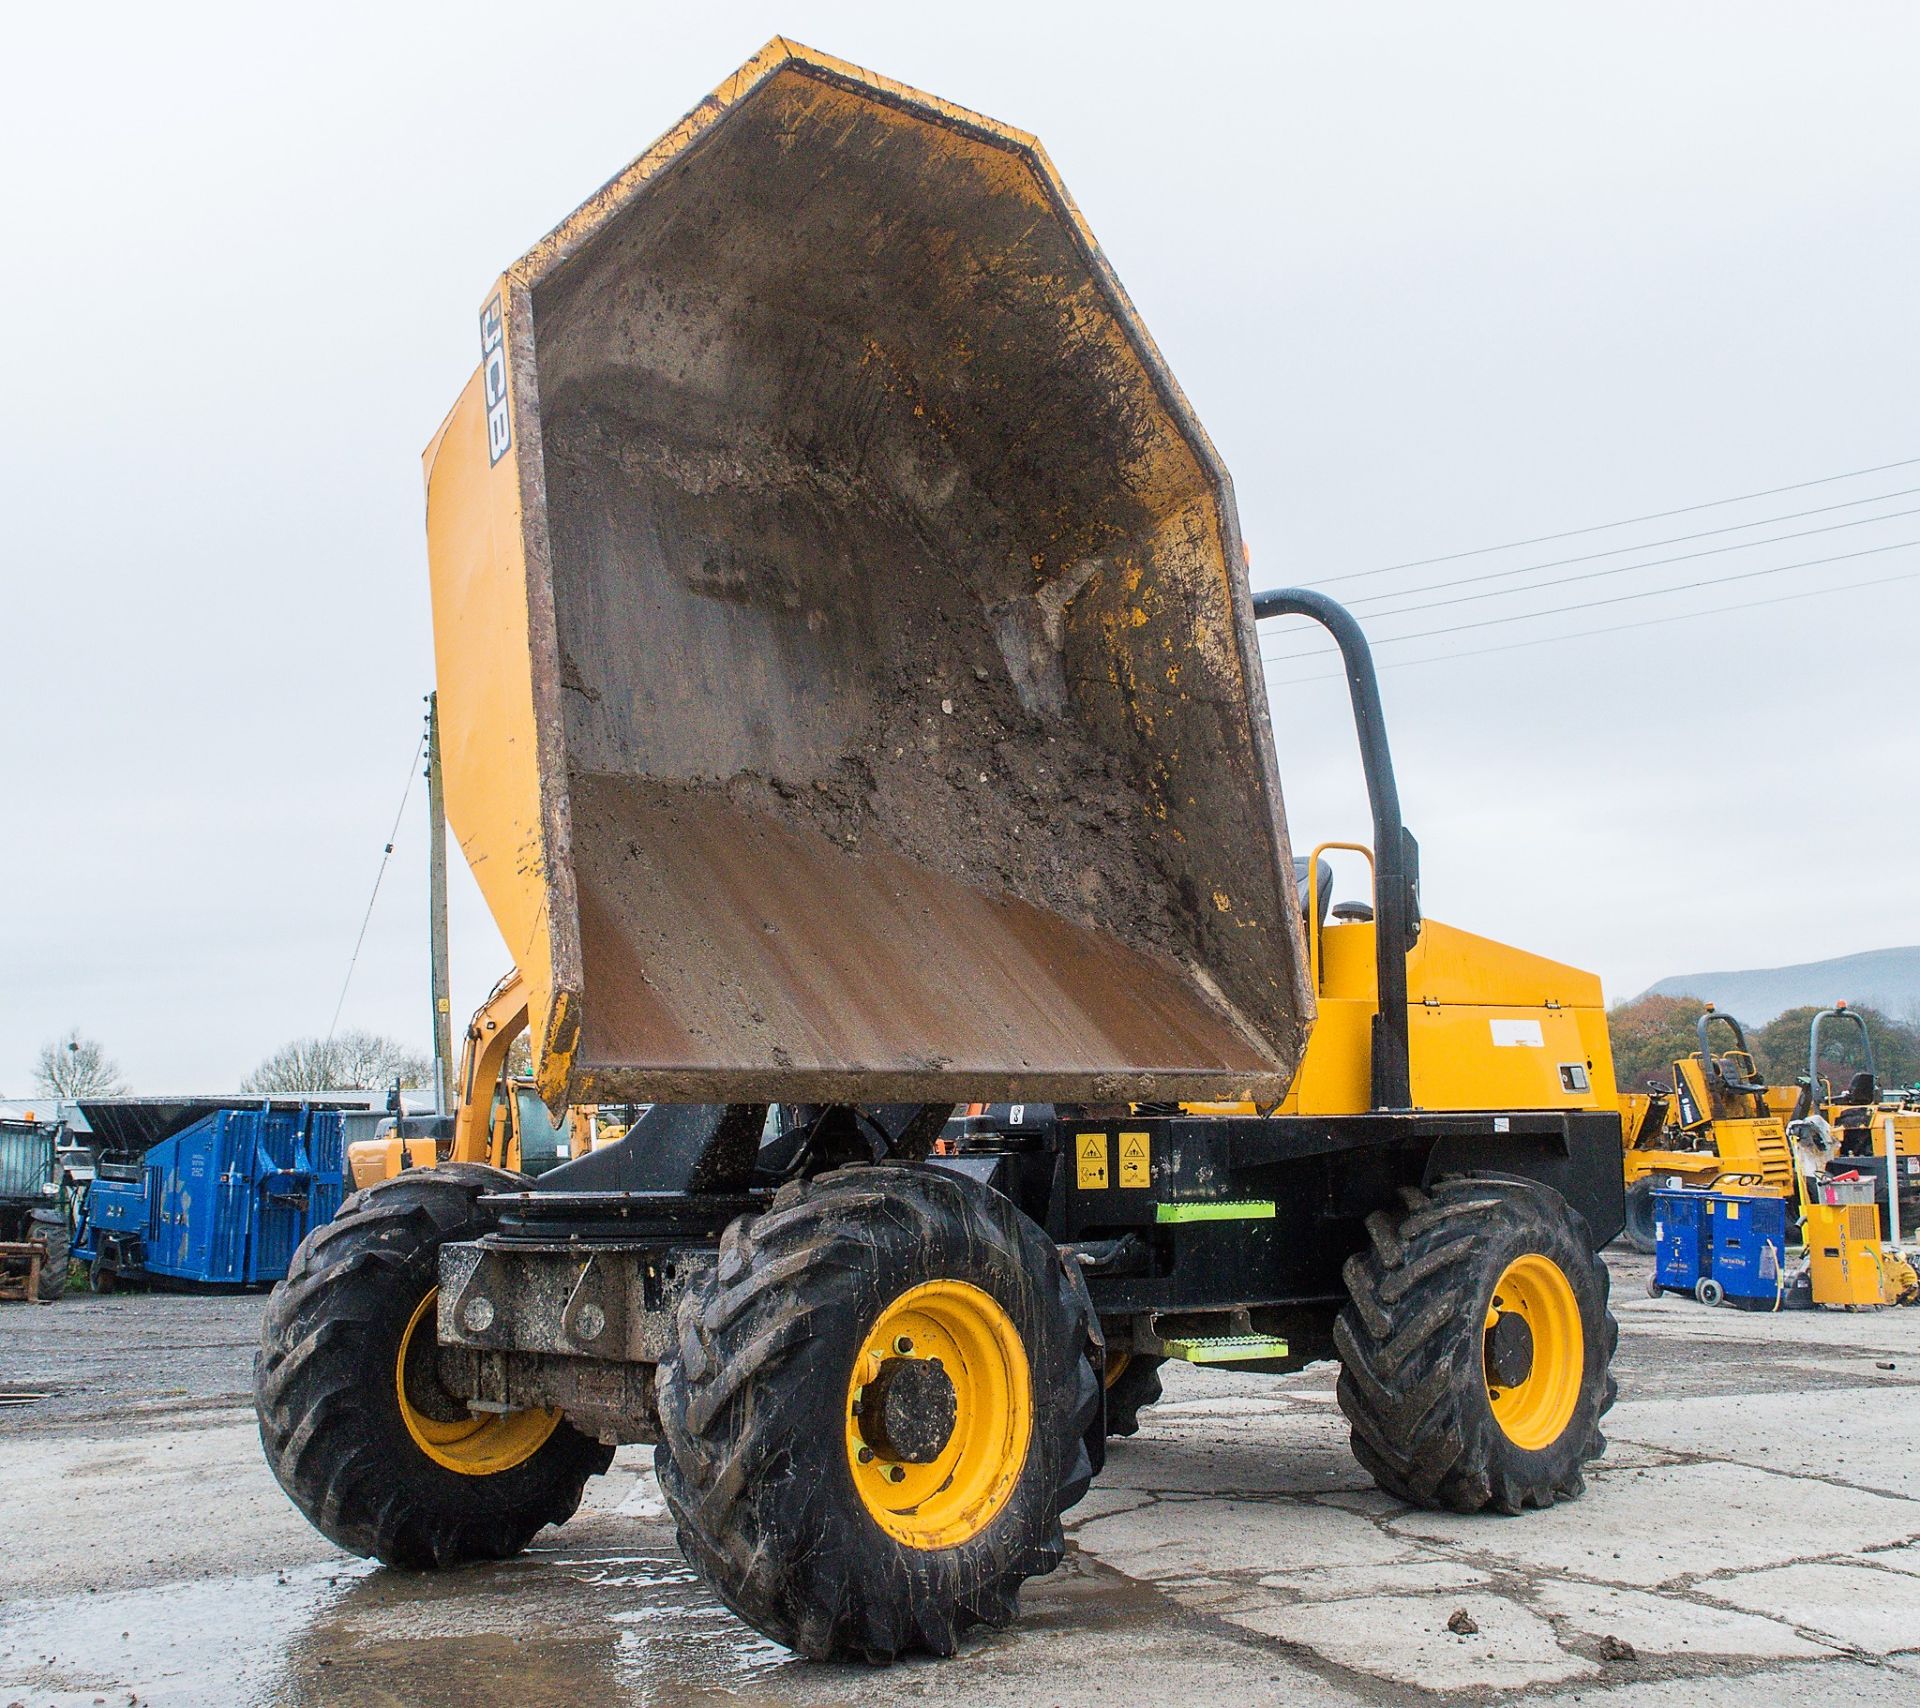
x=875, y=1412
x=379, y=1457
x=1475, y=1352
x=1640, y=1217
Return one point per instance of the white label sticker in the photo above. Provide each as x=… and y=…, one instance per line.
x=1517, y=1034
x=493, y=367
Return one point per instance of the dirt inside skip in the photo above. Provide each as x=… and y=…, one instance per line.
x=915, y=736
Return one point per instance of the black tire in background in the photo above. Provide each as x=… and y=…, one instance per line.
x=327, y=1387
x=1130, y=1391
x=1415, y=1345
x=51, y=1225
x=1639, y=1229
x=756, y=1456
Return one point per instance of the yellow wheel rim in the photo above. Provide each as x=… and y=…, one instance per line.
x=1534, y=1411
x=1117, y=1363
x=959, y=1493
x=474, y=1446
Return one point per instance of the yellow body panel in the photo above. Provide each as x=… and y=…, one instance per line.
x=1843, y=1246
x=1906, y=1130
x=1492, y=1027
x=382, y=1159
x=485, y=640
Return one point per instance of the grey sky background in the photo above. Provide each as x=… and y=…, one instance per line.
x=1434, y=277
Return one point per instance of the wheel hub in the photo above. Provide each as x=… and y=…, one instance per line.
x=442, y=1426
x=1533, y=1349
x=1509, y=1350
x=908, y=1411
x=939, y=1414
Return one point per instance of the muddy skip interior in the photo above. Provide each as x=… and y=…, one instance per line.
x=905, y=701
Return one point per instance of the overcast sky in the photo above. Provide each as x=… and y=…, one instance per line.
x=1435, y=278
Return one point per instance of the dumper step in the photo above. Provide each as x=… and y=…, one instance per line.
x=1224, y=1348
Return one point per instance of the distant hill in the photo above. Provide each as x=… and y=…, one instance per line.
x=1886, y=979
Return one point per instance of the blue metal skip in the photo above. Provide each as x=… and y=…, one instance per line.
x=225, y=1201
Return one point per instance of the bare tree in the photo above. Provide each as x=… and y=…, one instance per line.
x=347, y=1061
x=73, y=1066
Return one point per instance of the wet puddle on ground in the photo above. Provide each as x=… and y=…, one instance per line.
x=562, y=1626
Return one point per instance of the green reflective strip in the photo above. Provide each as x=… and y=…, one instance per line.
x=1226, y=1349
x=1220, y=1210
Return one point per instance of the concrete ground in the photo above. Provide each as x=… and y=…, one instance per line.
x=1753, y=1534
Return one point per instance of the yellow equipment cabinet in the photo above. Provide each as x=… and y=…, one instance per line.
x=851, y=707
x=1843, y=1255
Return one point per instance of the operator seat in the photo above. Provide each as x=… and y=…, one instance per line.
x=1854, y=1122
x=1302, y=872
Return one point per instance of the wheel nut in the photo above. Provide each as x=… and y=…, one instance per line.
x=896, y=1474
x=866, y=1455
x=903, y=1345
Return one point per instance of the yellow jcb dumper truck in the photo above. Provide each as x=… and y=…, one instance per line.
x=957, y=784
x=1717, y=1127
x=1852, y=1127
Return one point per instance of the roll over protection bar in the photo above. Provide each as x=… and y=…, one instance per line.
x=1396, y=854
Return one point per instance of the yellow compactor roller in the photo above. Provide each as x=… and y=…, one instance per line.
x=851, y=709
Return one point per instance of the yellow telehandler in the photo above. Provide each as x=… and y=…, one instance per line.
x=852, y=709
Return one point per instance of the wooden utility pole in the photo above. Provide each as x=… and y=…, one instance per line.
x=437, y=912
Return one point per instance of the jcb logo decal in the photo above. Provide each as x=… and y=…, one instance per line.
x=493, y=365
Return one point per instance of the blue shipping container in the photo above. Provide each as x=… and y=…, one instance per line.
x=224, y=1201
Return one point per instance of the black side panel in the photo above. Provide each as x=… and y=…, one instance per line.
x=1587, y=1170
x=674, y=1147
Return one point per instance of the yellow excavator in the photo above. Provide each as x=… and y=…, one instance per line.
x=498, y=1118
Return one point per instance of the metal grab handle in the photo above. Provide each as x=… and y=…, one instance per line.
x=1396, y=870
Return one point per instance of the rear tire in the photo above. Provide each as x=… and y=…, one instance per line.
x=778, y=1502
x=1130, y=1390
x=1419, y=1345
x=418, y=1483
x=1640, y=1217
x=51, y=1226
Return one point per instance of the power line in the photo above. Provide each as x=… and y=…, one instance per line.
x=413, y=766
x=1615, y=599
x=1651, y=563
x=1625, y=522
x=1612, y=629
x=1645, y=546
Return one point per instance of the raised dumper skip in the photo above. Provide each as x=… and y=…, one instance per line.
x=851, y=710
